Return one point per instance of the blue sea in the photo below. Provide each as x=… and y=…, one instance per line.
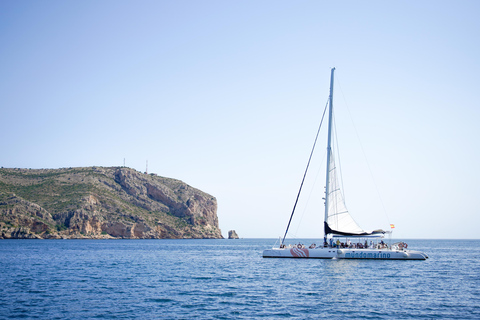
x=229, y=279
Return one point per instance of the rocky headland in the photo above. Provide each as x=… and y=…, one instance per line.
x=102, y=203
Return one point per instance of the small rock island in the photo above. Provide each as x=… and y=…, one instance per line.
x=232, y=234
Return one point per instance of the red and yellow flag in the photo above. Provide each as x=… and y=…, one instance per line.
x=392, y=226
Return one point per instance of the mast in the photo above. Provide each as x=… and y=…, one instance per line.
x=329, y=149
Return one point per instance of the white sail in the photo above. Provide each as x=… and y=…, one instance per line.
x=339, y=219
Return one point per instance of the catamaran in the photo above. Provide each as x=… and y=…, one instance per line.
x=339, y=224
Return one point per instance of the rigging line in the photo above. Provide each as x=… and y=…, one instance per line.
x=363, y=152
x=334, y=175
x=335, y=136
x=336, y=153
x=311, y=192
x=341, y=187
x=308, y=164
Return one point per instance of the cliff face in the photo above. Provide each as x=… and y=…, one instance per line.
x=102, y=203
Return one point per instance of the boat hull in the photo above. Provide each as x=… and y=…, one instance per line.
x=330, y=253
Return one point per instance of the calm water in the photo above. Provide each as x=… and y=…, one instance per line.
x=228, y=279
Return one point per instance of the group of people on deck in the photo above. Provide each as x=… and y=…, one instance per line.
x=359, y=245
x=347, y=244
x=338, y=244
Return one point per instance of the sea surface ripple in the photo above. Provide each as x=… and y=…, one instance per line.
x=229, y=279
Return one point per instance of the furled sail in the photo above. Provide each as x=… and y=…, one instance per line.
x=339, y=221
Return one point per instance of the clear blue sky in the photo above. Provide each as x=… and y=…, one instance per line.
x=227, y=95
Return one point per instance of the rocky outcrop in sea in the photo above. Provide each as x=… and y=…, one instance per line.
x=232, y=234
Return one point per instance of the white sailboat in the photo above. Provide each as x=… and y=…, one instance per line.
x=339, y=224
